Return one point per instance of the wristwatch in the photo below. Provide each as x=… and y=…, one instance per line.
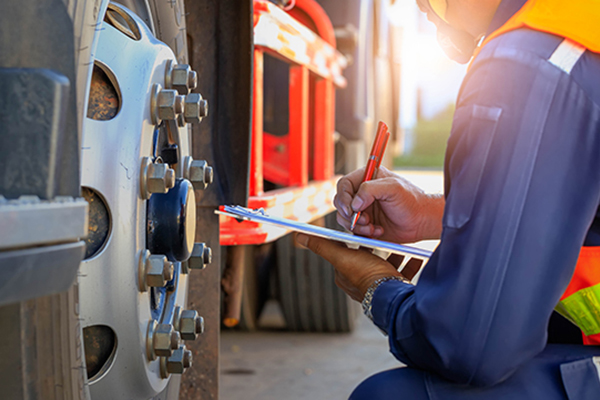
x=367, y=302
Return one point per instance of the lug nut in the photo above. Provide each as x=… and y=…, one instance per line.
x=180, y=77
x=198, y=172
x=177, y=363
x=196, y=108
x=161, y=178
x=189, y=324
x=169, y=104
x=154, y=270
x=201, y=256
x=155, y=178
x=161, y=340
x=166, y=104
x=159, y=271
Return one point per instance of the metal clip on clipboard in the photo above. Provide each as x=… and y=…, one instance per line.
x=380, y=248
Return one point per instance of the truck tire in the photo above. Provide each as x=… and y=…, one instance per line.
x=258, y=264
x=43, y=337
x=250, y=308
x=42, y=347
x=309, y=297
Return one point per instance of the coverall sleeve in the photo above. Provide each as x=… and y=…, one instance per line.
x=522, y=188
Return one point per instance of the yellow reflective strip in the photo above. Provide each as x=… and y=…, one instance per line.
x=560, y=308
x=439, y=6
x=583, y=309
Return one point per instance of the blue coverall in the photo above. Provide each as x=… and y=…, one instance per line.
x=522, y=187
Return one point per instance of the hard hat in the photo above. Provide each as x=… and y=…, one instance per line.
x=459, y=45
x=439, y=7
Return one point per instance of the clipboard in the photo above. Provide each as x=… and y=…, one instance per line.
x=379, y=247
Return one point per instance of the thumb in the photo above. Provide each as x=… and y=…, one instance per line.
x=370, y=191
x=327, y=249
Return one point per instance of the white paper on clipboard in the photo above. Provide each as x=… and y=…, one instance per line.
x=380, y=247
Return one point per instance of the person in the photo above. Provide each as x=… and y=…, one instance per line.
x=519, y=222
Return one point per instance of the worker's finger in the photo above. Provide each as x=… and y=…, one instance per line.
x=341, y=202
x=329, y=250
x=344, y=222
x=363, y=226
x=364, y=219
x=340, y=256
x=371, y=191
x=347, y=188
x=356, y=178
x=344, y=218
x=370, y=230
x=377, y=231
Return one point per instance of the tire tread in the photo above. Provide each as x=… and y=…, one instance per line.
x=310, y=299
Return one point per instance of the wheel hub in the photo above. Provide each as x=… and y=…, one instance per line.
x=135, y=282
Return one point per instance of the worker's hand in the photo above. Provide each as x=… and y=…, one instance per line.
x=392, y=208
x=355, y=270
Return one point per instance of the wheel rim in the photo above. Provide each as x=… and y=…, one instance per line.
x=112, y=148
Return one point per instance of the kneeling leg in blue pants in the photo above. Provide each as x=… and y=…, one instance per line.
x=560, y=372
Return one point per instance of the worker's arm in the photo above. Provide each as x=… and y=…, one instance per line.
x=523, y=185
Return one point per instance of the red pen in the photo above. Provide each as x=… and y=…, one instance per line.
x=379, y=145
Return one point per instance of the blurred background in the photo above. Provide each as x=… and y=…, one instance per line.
x=432, y=83
x=398, y=74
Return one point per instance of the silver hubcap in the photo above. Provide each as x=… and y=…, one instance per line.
x=123, y=286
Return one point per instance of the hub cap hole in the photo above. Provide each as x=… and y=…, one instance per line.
x=105, y=99
x=99, y=222
x=100, y=344
x=118, y=18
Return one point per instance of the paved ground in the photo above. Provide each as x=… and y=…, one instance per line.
x=278, y=365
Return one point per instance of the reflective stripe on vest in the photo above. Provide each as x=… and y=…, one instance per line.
x=580, y=303
x=578, y=22
x=566, y=55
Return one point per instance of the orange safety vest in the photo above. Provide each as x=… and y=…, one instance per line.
x=577, y=21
